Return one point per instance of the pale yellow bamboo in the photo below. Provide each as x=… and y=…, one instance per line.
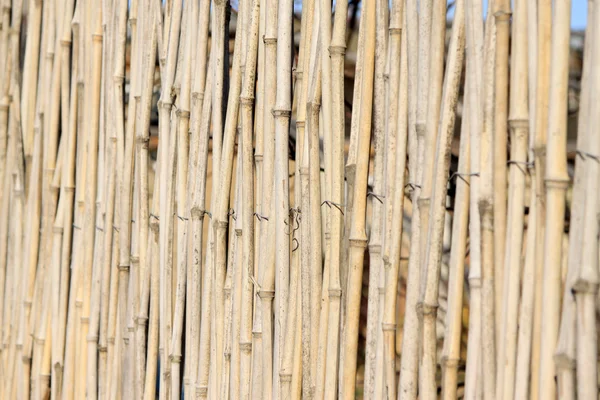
x=502, y=16
x=544, y=24
x=453, y=326
x=586, y=274
x=519, y=127
x=382, y=142
x=283, y=276
x=556, y=182
x=430, y=281
x=358, y=238
x=565, y=356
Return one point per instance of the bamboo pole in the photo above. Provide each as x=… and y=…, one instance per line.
x=530, y=285
x=556, y=182
x=502, y=15
x=585, y=285
x=429, y=295
x=399, y=87
x=453, y=326
x=519, y=126
x=358, y=239
x=486, y=210
x=283, y=276
x=270, y=349
x=544, y=24
x=565, y=356
x=382, y=142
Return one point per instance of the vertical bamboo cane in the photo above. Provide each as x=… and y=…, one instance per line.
x=283, y=275
x=433, y=260
x=556, y=181
x=565, y=356
x=358, y=240
x=270, y=351
x=382, y=143
x=399, y=88
x=586, y=276
x=519, y=127
x=453, y=326
x=502, y=16
x=337, y=51
x=544, y=24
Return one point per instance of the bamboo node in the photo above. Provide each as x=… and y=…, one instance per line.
x=183, y=113
x=335, y=293
x=394, y=31
x=246, y=347
x=258, y=158
x=556, y=183
x=97, y=37
x=57, y=229
x=337, y=50
x=197, y=212
x=421, y=128
x=246, y=100
x=583, y=285
x=502, y=16
x=448, y=362
x=134, y=259
x=269, y=40
x=388, y=327
x=201, y=391
x=515, y=123
x=281, y=112
x=103, y=349
x=123, y=267
x=175, y=358
x=266, y=294
x=65, y=42
x=285, y=377
x=563, y=361
x=426, y=309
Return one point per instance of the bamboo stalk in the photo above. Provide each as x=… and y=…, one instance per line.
x=281, y=112
x=556, y=182
x=530, y=285
x=453, y=327
x=565, y=356
x=337, y=51
x=392, y=261
x=585, y=283
x=429, y=292
x=544, y=24
x=326, y=127
x=519, y=126
x=486, y=210
x=383, y=142
x=358, y=239
x=270, y=343
x=502, y=16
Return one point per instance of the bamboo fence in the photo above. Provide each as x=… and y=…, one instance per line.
x=257, y=200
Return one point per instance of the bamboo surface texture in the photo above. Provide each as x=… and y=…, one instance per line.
x=298, y=199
